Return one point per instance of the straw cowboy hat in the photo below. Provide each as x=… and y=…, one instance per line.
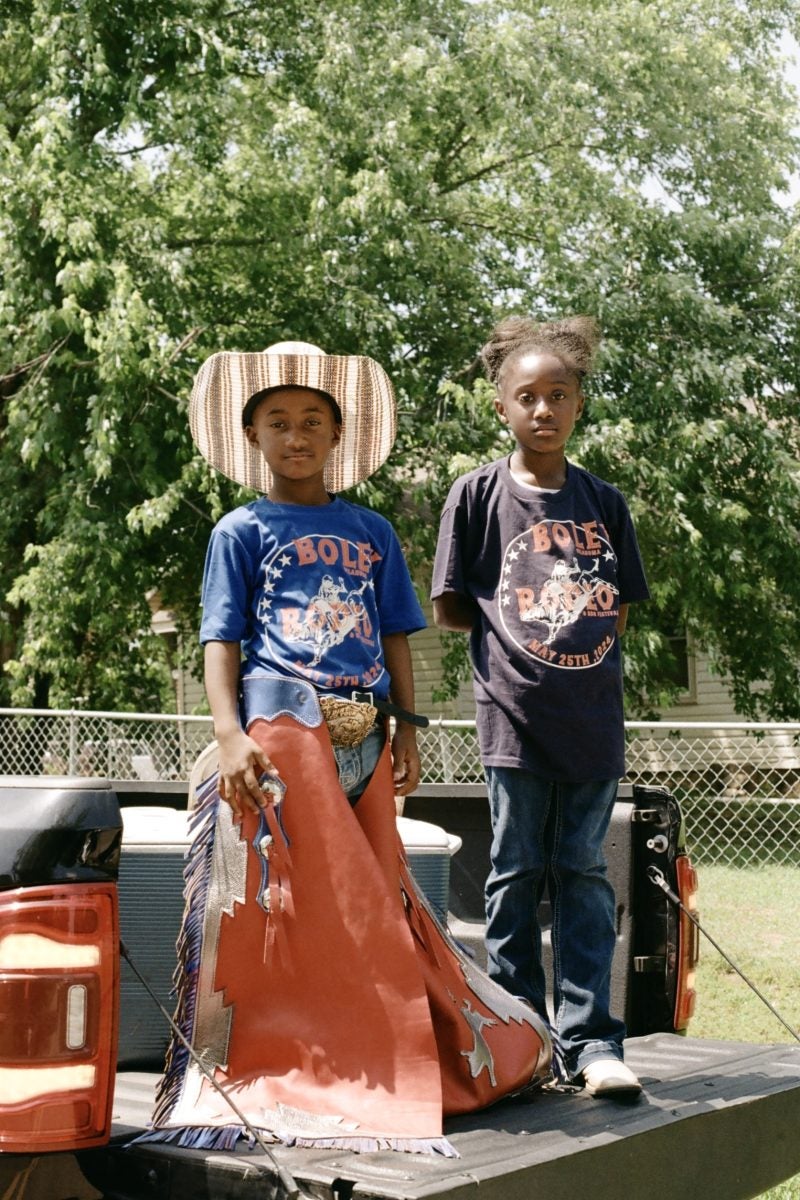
x=358, y=384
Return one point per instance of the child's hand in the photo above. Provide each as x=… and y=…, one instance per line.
x=241, y=762
x=405, y=759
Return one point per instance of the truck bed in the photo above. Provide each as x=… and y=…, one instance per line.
x=558, y=1145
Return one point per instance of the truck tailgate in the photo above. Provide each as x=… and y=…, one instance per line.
x=716, y=1119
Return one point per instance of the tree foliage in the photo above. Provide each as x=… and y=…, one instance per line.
x=388, y=178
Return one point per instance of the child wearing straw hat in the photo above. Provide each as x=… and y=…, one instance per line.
x=313, y=980
x=311, y=586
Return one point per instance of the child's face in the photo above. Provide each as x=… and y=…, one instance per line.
x=540, y=401
x=295, y=430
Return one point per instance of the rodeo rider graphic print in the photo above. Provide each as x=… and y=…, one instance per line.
x=308, y=591
x=548, y=571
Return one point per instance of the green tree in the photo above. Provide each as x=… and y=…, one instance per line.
x=388, y=178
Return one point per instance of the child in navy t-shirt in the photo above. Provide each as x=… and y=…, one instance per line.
x=538, y=561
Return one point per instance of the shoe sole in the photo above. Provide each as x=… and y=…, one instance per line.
x=624, y=1091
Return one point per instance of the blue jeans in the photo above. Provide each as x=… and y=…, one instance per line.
x=356, y=763
x=552, y=834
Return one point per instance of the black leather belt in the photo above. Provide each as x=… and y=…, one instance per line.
x=391, y=710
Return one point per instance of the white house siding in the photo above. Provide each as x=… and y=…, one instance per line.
x=426, y=657
x=194, y=696
x=708, y=700
x=732, y=762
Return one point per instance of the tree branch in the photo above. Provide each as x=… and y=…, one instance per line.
x=170, y=395
x=38, y=365
x=455, y=147
x=197, y=242
x=187, y=341
x=136, y=149
x=501, y=163
x=206, y=516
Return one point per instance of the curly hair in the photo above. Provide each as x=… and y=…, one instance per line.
x=572, y=339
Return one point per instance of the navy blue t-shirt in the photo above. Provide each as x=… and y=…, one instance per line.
x=308, y=591
x=548, y=572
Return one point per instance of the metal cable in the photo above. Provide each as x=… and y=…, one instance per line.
x=287, y=1180
x=656, y=875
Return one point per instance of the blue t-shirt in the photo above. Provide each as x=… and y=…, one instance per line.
x=548, y=572
x=308, y=591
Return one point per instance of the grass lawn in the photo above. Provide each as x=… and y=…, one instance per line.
x=754, y=914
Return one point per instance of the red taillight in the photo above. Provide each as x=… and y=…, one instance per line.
x=59, y=990
x=688, y=943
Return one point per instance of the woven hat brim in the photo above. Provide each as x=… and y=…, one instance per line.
x=358, y=384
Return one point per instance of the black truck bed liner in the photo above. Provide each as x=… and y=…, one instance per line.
x=555, y=1146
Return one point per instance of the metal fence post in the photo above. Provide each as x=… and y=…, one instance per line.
x=447, y=758
x=72, y=757
x=183, y=764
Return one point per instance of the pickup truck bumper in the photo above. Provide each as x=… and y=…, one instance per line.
x=716, y=1119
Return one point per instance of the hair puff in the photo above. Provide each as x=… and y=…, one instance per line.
x=572, y=339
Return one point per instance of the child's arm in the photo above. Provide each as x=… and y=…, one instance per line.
x=405, y=756
x=241, y=760
x=622, y=619
x=455, y=612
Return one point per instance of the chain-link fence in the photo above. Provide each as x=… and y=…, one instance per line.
x=118, y=746
x=738, y=786
x=738, y=783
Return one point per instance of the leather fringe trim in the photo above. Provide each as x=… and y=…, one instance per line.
x=197, y=876
x=226, y=1137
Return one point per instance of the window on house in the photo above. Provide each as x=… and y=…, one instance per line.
x=682, y=667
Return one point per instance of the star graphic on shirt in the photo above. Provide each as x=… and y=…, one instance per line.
x=514, y=554
x=609, y=554
x=284, y=560
x=276, y=574
x=269, y=587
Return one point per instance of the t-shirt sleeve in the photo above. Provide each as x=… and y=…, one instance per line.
x=448, y=564
x=630, y=569
x=227, y=587
x=399, y=609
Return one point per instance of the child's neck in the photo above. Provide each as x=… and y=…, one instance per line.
x=310, y=492
x=539, y=470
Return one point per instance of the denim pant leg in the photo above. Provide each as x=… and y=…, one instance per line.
x=519, y=804
x=584, y=925
x=551, y=833
x=356, y=764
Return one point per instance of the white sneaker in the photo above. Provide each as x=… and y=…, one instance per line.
x=610, y=1077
